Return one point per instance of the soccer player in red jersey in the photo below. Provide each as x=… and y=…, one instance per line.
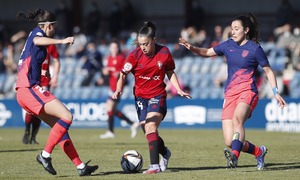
x=115, y=62
x=40, y=102
x=48, y=82
x=149, y=63
x=243, y=55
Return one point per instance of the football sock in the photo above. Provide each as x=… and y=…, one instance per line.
x=153, y=147
x=111, y=121
x=45, y=154
x=56, y=133
x=28, y=120
x=81, y=166
x=67, y=146
x=120, y=115
x=251, y=149
x=36, y=122
x=236, y=147
x=162, y=147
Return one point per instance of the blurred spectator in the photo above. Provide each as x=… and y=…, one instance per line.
x=284, y=13
x=203, y=40
x=14, y=50
x=218, y=36
x=93, y=21
x=284, y=37
x=76, y=50
x=226, y=33
x=92, y=63
x=295, y=49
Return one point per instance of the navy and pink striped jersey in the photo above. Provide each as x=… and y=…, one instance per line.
x=242, y=63
x=149, y=72
x=30, y=63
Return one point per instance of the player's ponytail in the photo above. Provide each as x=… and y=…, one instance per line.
x=30, y=15
x=148, y=30
x=42, y=16
x=254, y=29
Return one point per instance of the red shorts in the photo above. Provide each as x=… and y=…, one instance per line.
x=33, y=99
x=231, y=102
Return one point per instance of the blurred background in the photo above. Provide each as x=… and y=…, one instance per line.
x=203, y=22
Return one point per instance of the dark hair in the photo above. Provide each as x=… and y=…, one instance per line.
x=41, y=15
x=118, y=44
x=250, y=22
x=148, y=30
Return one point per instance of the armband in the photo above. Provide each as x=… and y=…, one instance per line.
x=275, y=90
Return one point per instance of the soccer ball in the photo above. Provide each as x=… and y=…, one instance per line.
x=131, y=161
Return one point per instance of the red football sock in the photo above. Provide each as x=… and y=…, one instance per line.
x=28, y=118
x=69, y=149
x=251, y=149
x=56, y=133
x=153, y=147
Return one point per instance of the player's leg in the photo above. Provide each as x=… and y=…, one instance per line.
x=28, y=122
x=153, y=120
x=60, y=118
x=227, y=134
x=110, y=105
x=241, y=113
x=36, y=123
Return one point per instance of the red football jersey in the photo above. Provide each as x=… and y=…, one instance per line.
x=149, y=72
x=115, y=64
x=51, y=52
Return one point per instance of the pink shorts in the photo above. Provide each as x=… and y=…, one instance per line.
x=33, y=99
x=231, y=102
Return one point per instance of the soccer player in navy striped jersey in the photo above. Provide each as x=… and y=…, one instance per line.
x=243, y=55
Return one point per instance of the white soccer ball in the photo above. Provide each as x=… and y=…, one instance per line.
x=131, y=161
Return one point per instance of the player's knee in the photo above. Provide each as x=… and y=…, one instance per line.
x=68, y=116
x=228, y=144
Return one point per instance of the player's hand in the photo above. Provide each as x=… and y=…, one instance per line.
x=116, y=94
x=184, y=43
x=184, y=94
x=69, y=40
x=280, y=100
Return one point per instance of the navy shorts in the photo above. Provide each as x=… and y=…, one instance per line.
x=156, y=104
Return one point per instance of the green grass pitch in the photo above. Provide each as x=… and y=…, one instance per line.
x=196, y=154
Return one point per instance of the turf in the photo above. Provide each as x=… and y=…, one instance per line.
x=196, y=154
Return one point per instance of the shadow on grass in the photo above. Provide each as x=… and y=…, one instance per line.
x=282, y=166
x=18, y=150
x=269, y=167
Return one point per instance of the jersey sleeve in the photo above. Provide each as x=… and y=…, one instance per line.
x=220, y=49
x=261, y=57
x=170, y=64
x=54, y=52
x=128, y=64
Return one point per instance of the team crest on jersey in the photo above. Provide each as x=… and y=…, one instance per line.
x=159, y=64
x=245, y=53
